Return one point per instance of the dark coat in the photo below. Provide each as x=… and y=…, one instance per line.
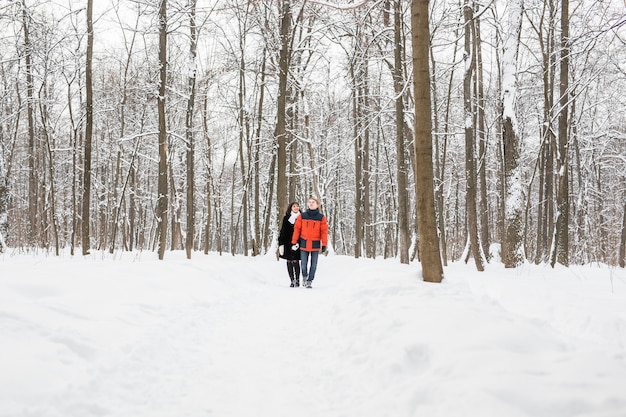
x=284, y=238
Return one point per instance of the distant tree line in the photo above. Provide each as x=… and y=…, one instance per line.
x=190, y=124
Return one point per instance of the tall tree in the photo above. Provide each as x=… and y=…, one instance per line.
x=257, y=154
x=403, y=191
x=545, y=206
x=280, y=133
x=4, y=196
x=512, y=253
x=622, y=243
x=470, y=158
x=32, y=150
x=209, y=175
x=162, y=200
x=191, y=84
x=49, y=163
x=244, y=133
x=129, y=182
x=88, y=132
x=430, y=258
x=440, y=161
x=483, y=204
x=358, y=74
x=560, y=244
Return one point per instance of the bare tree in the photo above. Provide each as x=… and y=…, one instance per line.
x=441, y=150
x=622, y=243
x=398, y=82
x=4, y=195
x=545, y=206
x=209, y=175
x=189, y=128
x=257, y=155
x=237, y=157
x=358, y=73
x=86, y=205
x=162, y=198
x=560, y=244
x=30, y=98
x=280, y=132
x=430, y=258
x=475, y=247
x=512, y=253
x=481, y=127
x=129, y=182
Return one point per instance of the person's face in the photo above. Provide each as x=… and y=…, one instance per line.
x=312, y=204
x=295, y=208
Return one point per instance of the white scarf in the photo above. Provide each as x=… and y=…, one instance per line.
x=293, y=217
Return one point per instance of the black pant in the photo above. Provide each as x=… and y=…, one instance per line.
x=293, y=268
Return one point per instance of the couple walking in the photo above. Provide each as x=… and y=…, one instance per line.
x=302, y=237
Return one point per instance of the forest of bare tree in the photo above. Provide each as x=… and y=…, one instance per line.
x=190, y=124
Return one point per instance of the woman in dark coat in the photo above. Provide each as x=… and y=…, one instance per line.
x=284, y=244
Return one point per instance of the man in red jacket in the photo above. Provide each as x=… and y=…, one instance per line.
x=310, y=234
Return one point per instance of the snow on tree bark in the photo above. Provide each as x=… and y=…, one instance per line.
x=512, y=253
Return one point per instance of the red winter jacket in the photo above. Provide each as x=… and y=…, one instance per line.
x=310, y=231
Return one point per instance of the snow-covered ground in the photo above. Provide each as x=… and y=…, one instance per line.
x=131, y=336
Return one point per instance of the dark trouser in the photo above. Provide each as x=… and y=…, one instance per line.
x=293, y=268
x=309, y=272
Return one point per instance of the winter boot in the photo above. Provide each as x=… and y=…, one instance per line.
x=292, y=275
x=308, y=283
x=296, y=273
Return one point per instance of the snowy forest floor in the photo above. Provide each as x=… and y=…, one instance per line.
x=131, y=336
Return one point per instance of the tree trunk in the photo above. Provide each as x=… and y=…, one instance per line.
x=162, y=198
x=4, y=197
x=359, y=224
x=560, y=246
x=243, y=129
x=441, y=161
x=430, y=258
x=622, y=243
x=127, y=181
x=88, y=133
x=191, y=84
x=233, y=224
x=281, y=120
x=366, y=115
x=482, y=144
x=403, y=198
x=512, y=254
x=175, y=211
x=30, y=98
x=540, y=215
x=4, y=205
x=545, y=199
x=132, y=207
x=75, y=174
x=257, y=152
x=51, y=188
x=470, y=167
x=209, y=175
x=129, y=176
x=268, y=207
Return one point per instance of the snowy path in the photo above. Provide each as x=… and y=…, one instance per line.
x=224, y=336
